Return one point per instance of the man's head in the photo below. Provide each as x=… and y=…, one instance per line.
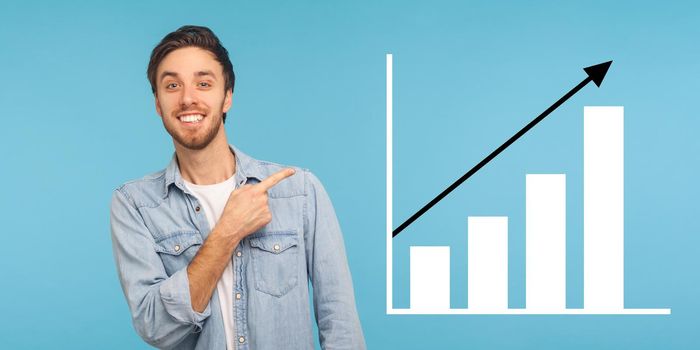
x=192, y=81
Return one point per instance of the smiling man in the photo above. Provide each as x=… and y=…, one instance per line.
x=217, y=250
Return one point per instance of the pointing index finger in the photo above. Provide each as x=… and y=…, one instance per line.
x=275, y=178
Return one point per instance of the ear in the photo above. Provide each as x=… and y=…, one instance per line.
x=158, y=110
x=228, y=100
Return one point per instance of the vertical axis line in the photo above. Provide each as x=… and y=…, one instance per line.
x=389, y=189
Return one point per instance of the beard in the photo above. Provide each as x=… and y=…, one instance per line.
x=195, y=141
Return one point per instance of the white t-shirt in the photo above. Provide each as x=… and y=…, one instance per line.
x=213, y=199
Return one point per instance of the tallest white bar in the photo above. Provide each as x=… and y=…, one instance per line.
x=603, y=208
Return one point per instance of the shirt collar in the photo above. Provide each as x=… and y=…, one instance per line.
x=246, y=168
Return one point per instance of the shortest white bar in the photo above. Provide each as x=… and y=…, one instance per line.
x=488, y=262
x=430, y=278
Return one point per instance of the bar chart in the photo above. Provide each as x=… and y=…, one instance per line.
x=545, y=237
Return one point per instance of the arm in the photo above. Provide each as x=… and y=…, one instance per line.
x=246, y=211
x=160, y=306
x=334, y=300
x=206, y=268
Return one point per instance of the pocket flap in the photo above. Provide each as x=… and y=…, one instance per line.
x=178, y=242
x=274, y=242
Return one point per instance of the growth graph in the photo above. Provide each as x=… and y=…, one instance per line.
x=545, y=229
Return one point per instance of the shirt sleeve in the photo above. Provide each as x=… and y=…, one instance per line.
x=160, y=305
x=333, y=296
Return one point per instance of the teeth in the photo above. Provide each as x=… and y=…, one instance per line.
x=191, y=118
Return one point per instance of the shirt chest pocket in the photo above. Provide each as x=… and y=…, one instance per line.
x=275, y=259
x=177, y=250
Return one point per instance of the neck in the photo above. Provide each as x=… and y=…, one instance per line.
x=210, y=165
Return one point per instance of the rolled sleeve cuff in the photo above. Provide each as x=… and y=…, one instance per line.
x=175, y=294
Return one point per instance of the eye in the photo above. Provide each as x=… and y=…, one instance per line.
x=204, y=84
x=171, y=86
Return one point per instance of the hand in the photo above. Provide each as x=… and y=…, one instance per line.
x=247, y=209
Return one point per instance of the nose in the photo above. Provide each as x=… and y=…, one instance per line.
x=188, y=97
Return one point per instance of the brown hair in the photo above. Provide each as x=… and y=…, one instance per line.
x=191, y=36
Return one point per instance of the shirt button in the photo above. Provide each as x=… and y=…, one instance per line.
x=197, y=209
x=238, y=296
x=241, y=339
x=238, y=253
x=177, y=247
x=276, y=247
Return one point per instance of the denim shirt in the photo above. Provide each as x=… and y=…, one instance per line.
x=158, y=227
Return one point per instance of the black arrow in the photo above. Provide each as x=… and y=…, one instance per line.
x=595, y=74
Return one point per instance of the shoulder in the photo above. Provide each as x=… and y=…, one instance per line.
x=289, y=187
x=145, y=191
x=302, y=183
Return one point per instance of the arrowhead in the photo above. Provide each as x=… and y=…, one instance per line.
x=597, y=72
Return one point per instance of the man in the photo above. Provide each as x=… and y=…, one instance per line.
x=215, y=251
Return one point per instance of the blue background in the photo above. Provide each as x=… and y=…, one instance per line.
x=79, y=120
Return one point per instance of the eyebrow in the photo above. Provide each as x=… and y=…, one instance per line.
x=167, y=74
x=200, y=73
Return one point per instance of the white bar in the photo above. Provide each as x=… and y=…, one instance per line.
x=545, y=241
x=603, y=208
x=532, y=312
x=389, y=185
x=488, y=262
x=430, y=278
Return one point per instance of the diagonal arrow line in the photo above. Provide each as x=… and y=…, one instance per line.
x=596, y=74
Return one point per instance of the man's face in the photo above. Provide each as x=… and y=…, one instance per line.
x=190, y=96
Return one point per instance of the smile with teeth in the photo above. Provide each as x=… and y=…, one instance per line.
x=191, y=118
